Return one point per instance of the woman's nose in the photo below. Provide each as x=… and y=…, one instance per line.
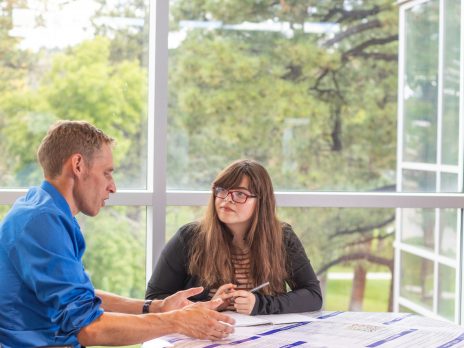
x=228, y=198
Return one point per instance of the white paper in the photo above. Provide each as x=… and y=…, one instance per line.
x=332, y=330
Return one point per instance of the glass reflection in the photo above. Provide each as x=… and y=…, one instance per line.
x=417, y=280
x=418, y=227
x=420, y=83
x=448, y=232
x=351, y=249
x=451, y=89
x=446, y=291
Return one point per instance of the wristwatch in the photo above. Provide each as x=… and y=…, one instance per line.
x=146, y=306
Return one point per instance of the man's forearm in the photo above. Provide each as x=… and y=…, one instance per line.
x=199, y=320
x=126, y=329
x=121, y=304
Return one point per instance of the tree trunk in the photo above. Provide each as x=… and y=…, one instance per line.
x=390, y=294
x=358, y=288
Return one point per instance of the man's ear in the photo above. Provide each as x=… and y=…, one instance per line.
x=77, y=164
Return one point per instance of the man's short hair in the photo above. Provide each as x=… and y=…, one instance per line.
x=65, y=138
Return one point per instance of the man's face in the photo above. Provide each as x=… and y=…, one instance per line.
x=96, y=183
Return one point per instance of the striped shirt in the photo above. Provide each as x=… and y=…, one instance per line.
x=241, y=264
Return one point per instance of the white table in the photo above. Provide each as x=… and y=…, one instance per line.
x=331, y=329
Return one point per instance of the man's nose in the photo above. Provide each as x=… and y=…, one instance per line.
x=112, y=187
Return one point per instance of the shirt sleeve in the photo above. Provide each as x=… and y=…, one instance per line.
x=170, y=273
x=46, y=257
x=305, y=294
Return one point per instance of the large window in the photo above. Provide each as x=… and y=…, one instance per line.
x=73, y=60
x=430, y=157
x=310, y=91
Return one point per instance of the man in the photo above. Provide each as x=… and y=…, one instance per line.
x=46, y=297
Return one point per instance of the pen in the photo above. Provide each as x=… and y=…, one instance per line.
x=259, y=287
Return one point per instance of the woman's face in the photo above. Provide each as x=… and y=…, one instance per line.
x=236, y=215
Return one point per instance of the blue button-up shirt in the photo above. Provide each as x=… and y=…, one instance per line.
x=46, y=296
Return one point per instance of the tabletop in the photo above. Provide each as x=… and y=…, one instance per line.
x=329, y=329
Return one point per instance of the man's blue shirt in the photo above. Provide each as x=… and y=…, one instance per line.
x=46, y=296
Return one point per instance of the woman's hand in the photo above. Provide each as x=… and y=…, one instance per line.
x=226, y=294
x=179, y=299
x=244, y=301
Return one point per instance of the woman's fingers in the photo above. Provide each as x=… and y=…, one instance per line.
x=226, y=288
x=244, y=301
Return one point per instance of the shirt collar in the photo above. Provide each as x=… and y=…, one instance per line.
x=57, y=197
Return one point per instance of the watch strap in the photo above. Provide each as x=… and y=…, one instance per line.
x=146, y=306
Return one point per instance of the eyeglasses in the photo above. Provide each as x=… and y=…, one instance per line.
x=236, y=196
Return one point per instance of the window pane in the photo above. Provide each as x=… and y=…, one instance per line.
x=449, y=182
x=418, y=181
x=115, y=254
x=350, y=248
x=285, y=88
x=451, y=68
x=446, y=291
x=75, y=60
x=420, y=83
x=448, y=232
x=416, y=282
x=418, y=227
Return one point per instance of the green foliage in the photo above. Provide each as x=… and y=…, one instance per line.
x=318, y=110
x=284, y=101
x=375, y=297
x=14, y=67
x=82, y=85
x=115, y=256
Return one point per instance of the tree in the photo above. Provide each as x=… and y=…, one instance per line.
x=307, y=106
x=14, y=68
x=82, y=84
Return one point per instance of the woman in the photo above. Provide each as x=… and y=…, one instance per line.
x=238, y=245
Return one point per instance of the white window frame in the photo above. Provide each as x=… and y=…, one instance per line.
x=434, y=256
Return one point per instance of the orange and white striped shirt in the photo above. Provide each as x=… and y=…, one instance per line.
x=241, y=264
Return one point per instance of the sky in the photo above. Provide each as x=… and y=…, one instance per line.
x=56, y=24
x=53, y=24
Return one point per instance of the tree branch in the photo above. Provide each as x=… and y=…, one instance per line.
x=358, y=256
x=369, y=239
x=377, y=56
x=362, y=229
x=386, y=188
x=357, y=50
x=351, y=31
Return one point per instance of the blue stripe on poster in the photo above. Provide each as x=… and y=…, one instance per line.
x=397, y=319
x=391, y=338
x=252, y=338
x=270, y=332
x=294, y=344
x=451, y=343
x=325, y=316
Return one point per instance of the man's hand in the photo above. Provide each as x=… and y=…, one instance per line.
x=179, y=300
x=201, y=320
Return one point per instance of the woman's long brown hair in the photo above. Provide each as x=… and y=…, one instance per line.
x=210, y=256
